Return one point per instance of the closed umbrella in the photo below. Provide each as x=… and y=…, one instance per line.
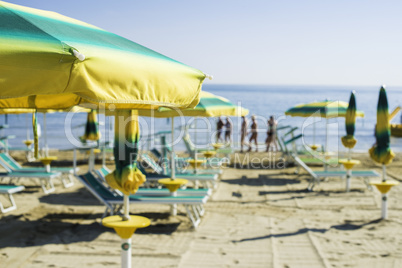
x=91, y=127
x=92, y=134
x=381, y=151
x=349, y=140
x=49, y=61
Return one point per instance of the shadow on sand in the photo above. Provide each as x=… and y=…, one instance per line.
x=347, y=226
x=260, y=181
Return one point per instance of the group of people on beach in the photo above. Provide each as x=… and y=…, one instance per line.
x=228, y=130
x=271, y=132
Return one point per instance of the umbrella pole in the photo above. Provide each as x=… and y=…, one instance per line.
x=45, y=135
x=75, y=161
x=173, y=170
x=91, y=161
x=126, y=243
x=27, y=125
x=384, y=203
x=326, y=144
x=313, y=132
x=104, y=156
x=195, y=145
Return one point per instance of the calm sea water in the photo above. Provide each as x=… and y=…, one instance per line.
x=262, y=101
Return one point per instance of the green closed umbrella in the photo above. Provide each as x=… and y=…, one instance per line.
x=381, y=151
x=91, y=127
x=349, y=140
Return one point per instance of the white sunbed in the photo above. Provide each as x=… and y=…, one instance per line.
x=114, y=201
x=317, y=175
x=9, y=190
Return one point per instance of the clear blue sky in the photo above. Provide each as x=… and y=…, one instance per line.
x=299, y=42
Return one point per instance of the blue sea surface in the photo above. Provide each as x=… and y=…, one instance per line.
x=63, y=130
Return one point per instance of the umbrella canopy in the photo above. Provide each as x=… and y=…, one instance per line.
x=48, y=60
x=349, y=140
x=325, y=109
x=381, y=151
x=210, y=105
x=91, y=127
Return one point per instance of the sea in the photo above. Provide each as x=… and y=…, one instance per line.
x=62, y=130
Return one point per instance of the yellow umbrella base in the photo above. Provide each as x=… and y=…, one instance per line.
x=209, y=154
x=314, y=147
x=96, y=151
x=195, y=163
x=348, y=164
x=172, y=184
x=28, y=142
x=47, y=160
x=384, y=186
x=217, y=145
x=125, y=229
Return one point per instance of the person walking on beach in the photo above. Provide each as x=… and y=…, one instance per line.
x=219, y=129
x=271, y=134
x=243, y=132
x=254, y=134
x=228, y=131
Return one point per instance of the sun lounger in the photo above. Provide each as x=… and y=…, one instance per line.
x=313, y=159
x=9, y=190
x=10, y=165
x=158, y=169
x=45, y=178
x=102, y=172
x=191, y=150
x=195, y=177
x=317, y=175
x=114, y=201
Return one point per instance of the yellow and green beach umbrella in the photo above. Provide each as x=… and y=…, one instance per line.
x=349, y=140
x=48, y=60
x=381, y=152
x=326, y=109
x=210, y=105
x=91, y=127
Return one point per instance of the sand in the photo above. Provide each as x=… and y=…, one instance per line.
x=261, y=217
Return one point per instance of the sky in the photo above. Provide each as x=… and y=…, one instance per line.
x=299, y=42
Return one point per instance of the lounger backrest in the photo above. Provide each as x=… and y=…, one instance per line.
x=102, y=172
x=8, y=162
x=151, y=163
x=156, y=153
x=293, y=139
x=166, y=149
x=96, y=187
x=290, y=131
x=304, y=166
x=189, y=144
